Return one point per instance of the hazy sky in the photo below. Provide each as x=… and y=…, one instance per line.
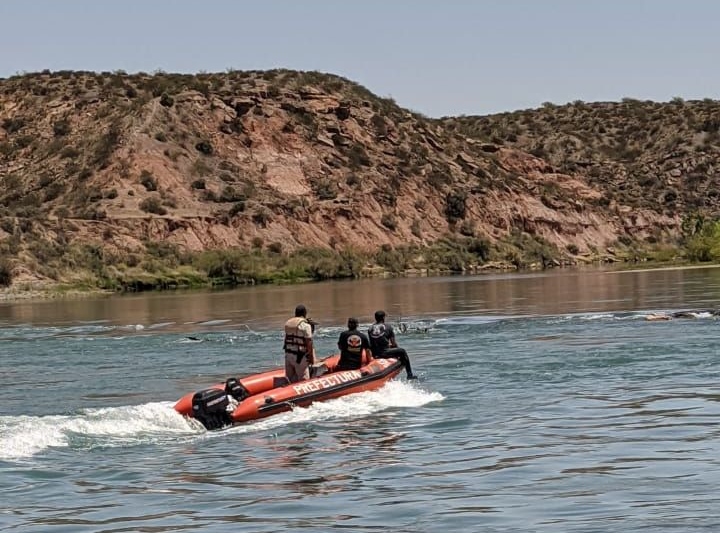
x=446, y=57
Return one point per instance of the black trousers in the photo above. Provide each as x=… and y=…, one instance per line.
x=401, y=355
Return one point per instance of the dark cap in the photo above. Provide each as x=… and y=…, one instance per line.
x=300, y=310
x=352, y=323
x=379, y=316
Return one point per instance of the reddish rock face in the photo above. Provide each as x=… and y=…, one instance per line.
x=221, y=160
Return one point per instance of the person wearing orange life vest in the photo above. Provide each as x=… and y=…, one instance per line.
x=298, y=346
x=354, y=347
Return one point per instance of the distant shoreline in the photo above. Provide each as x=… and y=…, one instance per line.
x=29, y=292
x=680, y=267
x=29, y=295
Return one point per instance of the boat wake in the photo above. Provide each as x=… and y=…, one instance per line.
x=25, y=436
x=395, y=394
x=22, y=437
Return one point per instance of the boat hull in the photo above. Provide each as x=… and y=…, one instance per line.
x=269, y=393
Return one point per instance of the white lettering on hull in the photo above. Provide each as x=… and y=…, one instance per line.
x=326, y=382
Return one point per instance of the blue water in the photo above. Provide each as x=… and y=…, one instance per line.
x=593, y=420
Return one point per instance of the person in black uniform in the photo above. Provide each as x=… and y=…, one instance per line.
x=384, y=345
x=351, y=344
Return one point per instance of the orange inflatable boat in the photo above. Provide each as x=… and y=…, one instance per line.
x=260, y=395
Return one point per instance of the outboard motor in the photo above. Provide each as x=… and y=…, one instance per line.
x=209, y=407
x=235, y=389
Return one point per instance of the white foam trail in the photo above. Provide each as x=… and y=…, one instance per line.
x=25, y=436
x=22, y=437
x=393, y=394
x=130, y=421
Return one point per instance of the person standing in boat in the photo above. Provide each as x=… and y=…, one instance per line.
x=353, y=346
x=384, y=345
x=298, y=346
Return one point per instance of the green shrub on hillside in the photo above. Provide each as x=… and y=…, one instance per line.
x=13, y=125
x=389, y=221
x=152, y=204
x=166, y=100
x=6, y=273
x=61, y=128
x=357, y=157
x=105, y=146
x=148, y=181
x=455, y=206
x=704, y=244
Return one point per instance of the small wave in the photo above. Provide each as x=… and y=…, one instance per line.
x=132, y=327
x=32, y=333
x=703, y=314
x=219, y=338
x=597, y=316
x=471, y=320
x=160, y=325
x=218, y=322
x=621, y=315
x=411, y=326
x=190, y=339
x=87, y=329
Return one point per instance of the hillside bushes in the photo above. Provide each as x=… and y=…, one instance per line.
x=6, y=273
x=703, y=244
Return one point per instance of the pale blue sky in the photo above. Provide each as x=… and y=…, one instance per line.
x=439, y=58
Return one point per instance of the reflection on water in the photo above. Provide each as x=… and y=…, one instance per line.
x=257, y=308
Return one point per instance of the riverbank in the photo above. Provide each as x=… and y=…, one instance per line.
x=48, y=290
x=663, y=267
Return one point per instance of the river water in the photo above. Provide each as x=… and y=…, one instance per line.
x=547, y=402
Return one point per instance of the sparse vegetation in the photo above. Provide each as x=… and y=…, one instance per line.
x=106, y=145
x=204, y=147
x=357, y=157
x=389, y=221
x=637, y=149
x=152, y=204
x=255, y=142
x=166, y=100
x=148, y=181
x=325, y=189
x=61, y=128
x=13, y=125
x=455, y=207
x=6, y=274
x=239, y=207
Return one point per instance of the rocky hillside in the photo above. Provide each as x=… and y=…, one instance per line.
x=103, y=170
x=659, y=156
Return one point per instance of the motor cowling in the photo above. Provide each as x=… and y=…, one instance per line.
x=209, y=407
x=235, y=389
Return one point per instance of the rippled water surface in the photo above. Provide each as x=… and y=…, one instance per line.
x=547, y=402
